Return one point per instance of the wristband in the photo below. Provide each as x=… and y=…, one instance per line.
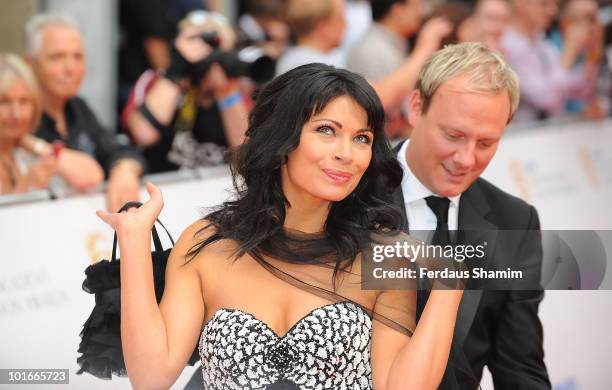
x=229, y=101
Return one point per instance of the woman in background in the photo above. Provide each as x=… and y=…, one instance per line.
x=28, y=162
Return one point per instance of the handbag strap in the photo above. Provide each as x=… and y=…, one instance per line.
x=156, y=241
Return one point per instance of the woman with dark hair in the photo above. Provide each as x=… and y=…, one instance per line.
x=269, y=284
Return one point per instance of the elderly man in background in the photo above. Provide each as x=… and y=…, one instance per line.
x=54, y=47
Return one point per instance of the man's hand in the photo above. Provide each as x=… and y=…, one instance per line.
x=431, y=35
x=123, y=184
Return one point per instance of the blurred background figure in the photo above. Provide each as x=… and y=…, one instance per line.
x=317, y=27
x=457, y=13
x=189, y=115
x=146, y=31
x=385, y=45
x=605, y=80
x=583, y=14
x=480, y=21
x=549, y=76
x=55, y=49
x=263, y=25
x=489, y=22
x=28, y=162
x=358, y=17
x=384, y=48
x=262, y=30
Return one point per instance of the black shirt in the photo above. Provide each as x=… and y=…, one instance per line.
x=208, y=129
x=87, y=135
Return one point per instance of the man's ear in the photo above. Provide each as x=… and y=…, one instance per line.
x=415, y=107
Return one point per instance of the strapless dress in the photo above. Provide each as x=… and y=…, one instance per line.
x=329, y=348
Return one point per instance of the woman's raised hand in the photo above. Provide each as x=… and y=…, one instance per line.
x=136, y=220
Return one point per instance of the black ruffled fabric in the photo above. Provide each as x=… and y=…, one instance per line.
x=100, y=347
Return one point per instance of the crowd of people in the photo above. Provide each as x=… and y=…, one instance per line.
x=301, y=96
x=184, y=91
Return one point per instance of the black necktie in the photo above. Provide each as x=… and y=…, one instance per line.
x=439, y=206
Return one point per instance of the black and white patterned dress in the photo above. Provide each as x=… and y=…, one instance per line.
x=329, y=348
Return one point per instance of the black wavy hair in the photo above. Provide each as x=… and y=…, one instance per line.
x=255, y=218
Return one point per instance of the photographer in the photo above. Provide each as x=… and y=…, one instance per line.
x=190, y=114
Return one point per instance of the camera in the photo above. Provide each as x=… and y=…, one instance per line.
x=250, y=61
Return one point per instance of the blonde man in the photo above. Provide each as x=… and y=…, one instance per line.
x=465, y=97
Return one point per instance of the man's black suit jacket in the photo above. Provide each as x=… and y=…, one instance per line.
x=499, y=329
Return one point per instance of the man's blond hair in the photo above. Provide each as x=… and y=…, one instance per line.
x=486, y=70
x=303, y=15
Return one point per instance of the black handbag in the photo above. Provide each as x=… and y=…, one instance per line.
x=100, y=346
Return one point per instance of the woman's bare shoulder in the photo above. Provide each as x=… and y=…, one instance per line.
x=198, y=231
x=188, y=244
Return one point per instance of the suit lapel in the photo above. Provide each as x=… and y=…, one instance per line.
x=473, y=208
x=475, y=229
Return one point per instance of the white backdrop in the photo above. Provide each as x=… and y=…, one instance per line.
x=47, y=247
x=566, y=172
